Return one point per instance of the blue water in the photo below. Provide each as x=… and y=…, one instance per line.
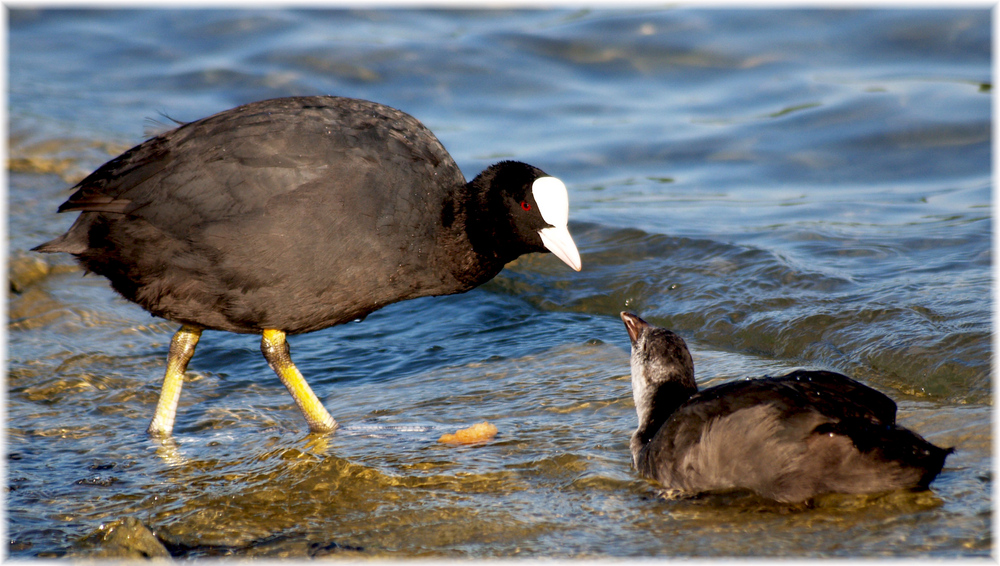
x=784, y=188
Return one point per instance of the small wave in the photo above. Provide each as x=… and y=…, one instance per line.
x=752, y=300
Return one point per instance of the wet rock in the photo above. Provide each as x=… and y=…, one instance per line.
x=124, y=538
x=215, y=530
x=42, y=165
x=69, y=158
x=24, y=270
x=317, y=549
x=275, y=546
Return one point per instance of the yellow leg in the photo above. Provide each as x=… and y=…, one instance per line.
x=181, y=350
x=275, y=350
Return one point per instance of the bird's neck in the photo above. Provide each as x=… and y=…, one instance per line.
x=655, y=405
x=488, y=225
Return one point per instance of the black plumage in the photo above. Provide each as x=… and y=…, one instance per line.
x=297, y=214
x=787, y=438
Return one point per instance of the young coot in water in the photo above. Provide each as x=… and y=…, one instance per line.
x=787, y=438
x=291, y=215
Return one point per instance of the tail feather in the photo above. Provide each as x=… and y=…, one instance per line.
x=61, y=244
x=75, y=241
x=891, y=443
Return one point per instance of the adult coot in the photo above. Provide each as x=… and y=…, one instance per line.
x=787, y=438
x=294, y=214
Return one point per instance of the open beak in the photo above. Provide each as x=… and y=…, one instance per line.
x=634, y=325
x=558, y=241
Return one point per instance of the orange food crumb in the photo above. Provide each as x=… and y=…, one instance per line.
x=476, y=433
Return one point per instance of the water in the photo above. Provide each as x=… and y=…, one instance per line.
x=783, y=188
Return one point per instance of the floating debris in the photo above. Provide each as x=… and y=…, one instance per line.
x=476, y=433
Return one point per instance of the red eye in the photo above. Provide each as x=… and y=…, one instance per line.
x=525, y=205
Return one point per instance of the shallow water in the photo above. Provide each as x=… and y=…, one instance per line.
x=783, y=188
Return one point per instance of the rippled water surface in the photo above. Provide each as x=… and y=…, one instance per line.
x=783, y=188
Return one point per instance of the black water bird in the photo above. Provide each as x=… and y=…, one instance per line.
x=786, y=438
x=290, y=215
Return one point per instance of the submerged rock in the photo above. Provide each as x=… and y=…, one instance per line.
x=278, y=545
x=124, y=538
x=23, y=270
